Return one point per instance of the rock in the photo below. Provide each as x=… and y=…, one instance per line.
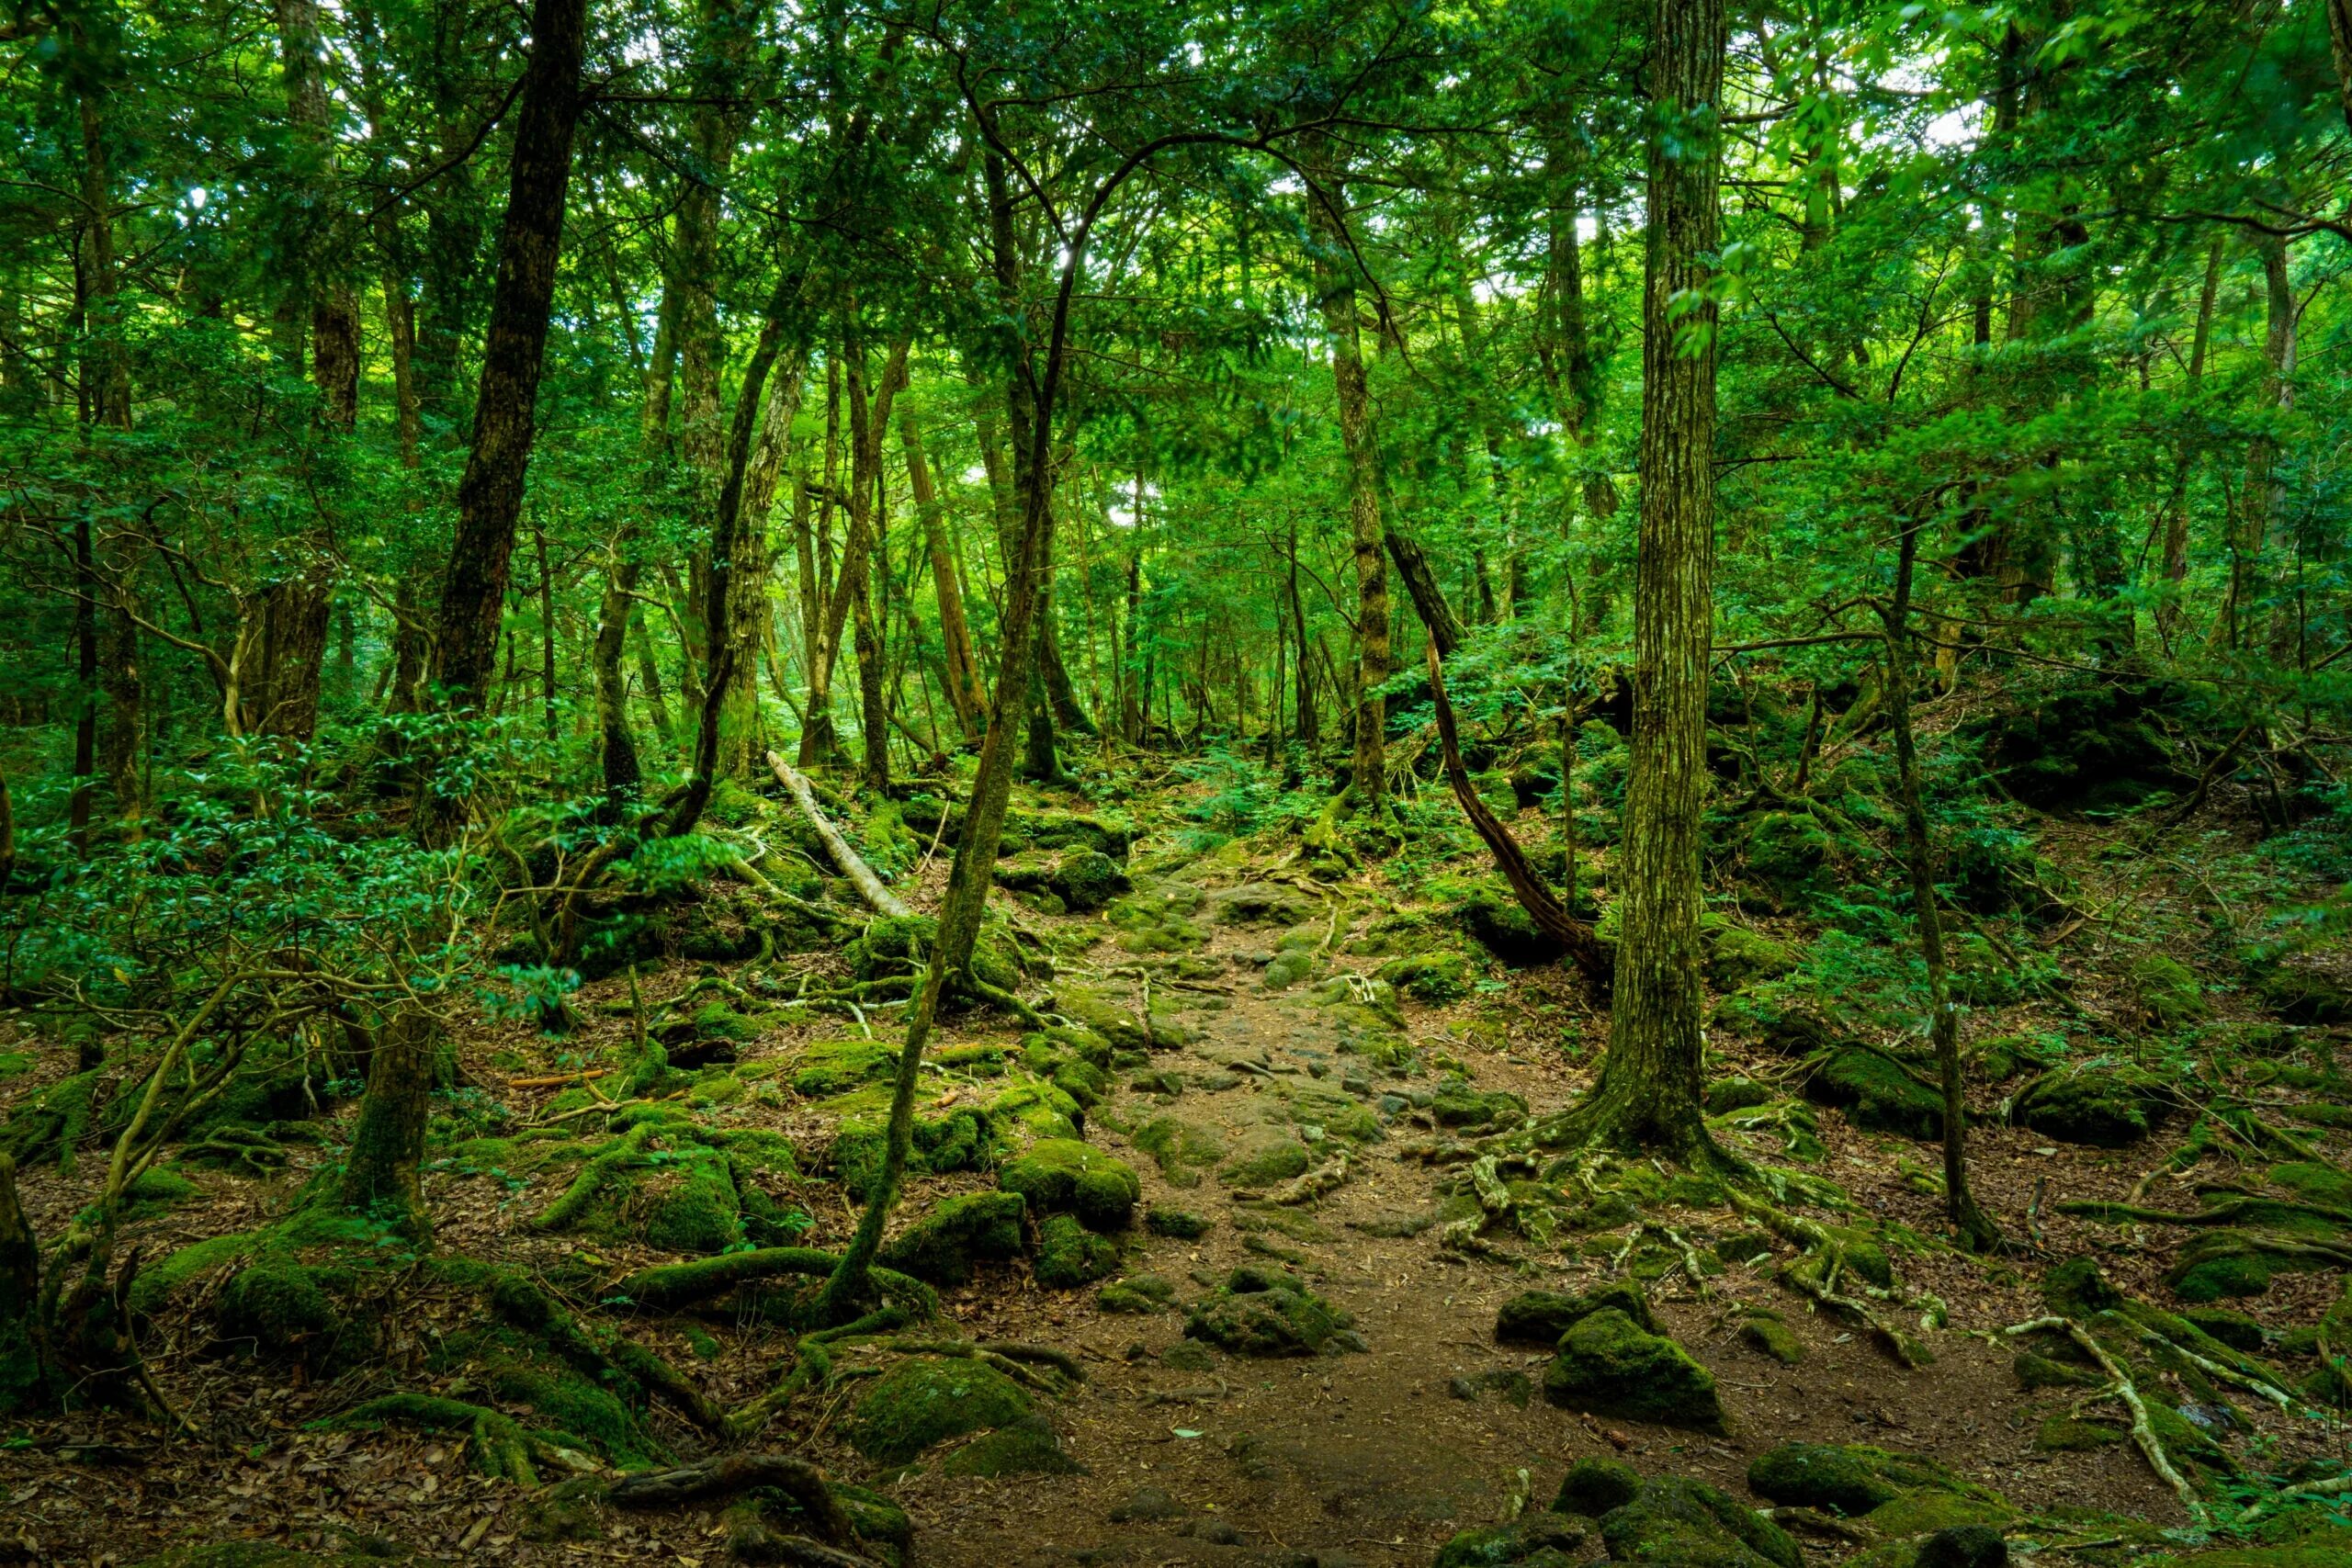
x=1146, y=1505
x=1181, y=1148
x=1084, y=1005
x=1025, y=1447
x=1929, y=1510
x=1065, y=1176
x=1726, y=1095
x=1688, y=1524
x=2302, y=992
x=1433, y=977
x=1086, y=879
x=1494, y=917
x=275, y=1305
x=1821, y=1475
x=2230, y=1262
x=1068, y=1254
x=1875, y=1094
x=923, y=1402
x=1138, y=1294
x=2234, y=1329
x=2039, y=1371
x=1789, y=854
x=1540, y=1318
x=1460, y=1106
x=1773, y=1338
x=1539, y=1539
x=836, y=1066
x=2062, y=1434
x=1596, y=1486
x=1188, y=1355
x=1964, y=1546
x=2078, y=1289
x=1263, y=903
x=1181, y=1223
x=1286, y=969
x=1610, y=1365
x=1739, y=958
x=1264, y=1158
x=2107, y=1108
x=1261, y=1311
x=943, y=1245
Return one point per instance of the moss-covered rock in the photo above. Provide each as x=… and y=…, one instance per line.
x=1764, y=1333
x=1025, y=1447
x=829, y=1068
x=1263, y=903
x=2065, y=1434
x=1456, y=1104
x=1675, y=1522
x=1183, y=1224
x=275, y=1305
x=1264, y=1157
x=1064, y=1175
x=1847, y=1478
x=1540, y=1318
x=1789, y=855
x=1141, y=1294
x=1089, y=1007
x=1737, y=956
x=1070, y=1256
x=942, y=1246
x=1532, y=1541
x=2231, y=1262
x=2302, y=991
x=1181, y=1148
x=2108, y=1107
x=923, y=1403
x=1434, y=978
x=1261, y=1311
x=1876, y=1093
x=2169, y=991
x=1494, y=918
x=1607, y=1363
x=1593, y=1488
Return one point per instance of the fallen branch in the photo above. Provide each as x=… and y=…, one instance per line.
x=861, y=875
x=1582, y=946
x=559, y=1081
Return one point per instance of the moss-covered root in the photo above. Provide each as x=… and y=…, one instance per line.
x=728, y=1474
x=675, y=1285
x=2143, y=1430
x=601, y=1168
x=529, y=1308
x=499, y=1446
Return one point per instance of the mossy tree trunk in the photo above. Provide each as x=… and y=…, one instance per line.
x=1977, y=1230
x=1649, y=1090
x=387, y=1145
x=25, y=1369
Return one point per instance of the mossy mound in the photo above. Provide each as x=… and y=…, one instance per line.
x=2169, y=991
x=2109, y=1106
x=2303, y=992
x=1084, y=880
x=275, y=1305
x=1458, y=1105
x=829, y=1068
x=2083, y=745
x=1433, y=977
x=1262, y=904
x=1085, y=1005
x=1154, y=920
x=1181, y=1148
x=898, y=946
x=1608, y=1364
x=1064, y=1175
x=1070, y=1256
x=943, y=1246
x=1139, y=1294
x=1876, y=1093
x=1764, y=1333
x=2064, y=1434
x=1846, y=1478
x=1267, y=1312
x=1493, y=918
x=1737, y=956
x=1264, y=1157
x=923, y=1402
x=1026, y=1447
x=962, y=1137
x=1675, y=1522
x=2232, y=1262
x=1181, y=1225
x=1534, y=1540
x=1540, y=1318
x=1790, y=856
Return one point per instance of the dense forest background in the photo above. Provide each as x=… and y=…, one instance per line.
x=1721, y=593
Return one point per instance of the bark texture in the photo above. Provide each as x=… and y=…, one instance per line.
x=388, y=1144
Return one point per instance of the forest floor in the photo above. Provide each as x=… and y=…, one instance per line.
x=1182, y=1453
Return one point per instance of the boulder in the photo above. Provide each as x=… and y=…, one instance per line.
x=2109, y=1107
x=1068, y=1254
x=1737, y=956
x=1540, y=1318
x=1261, y=1311
x=1025, y=1447
x=1537, y=1540
x=943, y=1245
x=1263, y=903
x=1876, y=1094
x=1688, y=1524
x=1065, y=1176
x=923, y=1402
x=1608, y=1364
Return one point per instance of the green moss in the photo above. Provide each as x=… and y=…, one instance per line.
x=1540, y=1318
x=1181, y=1223
x=1086, y=1006
x=943, y=1245
x=1926, y=1511
x=1266, y=1160
x=1774, y=1338
x=923, y=1402
x=829, y=1068
x=274, y=1306
x=1876, y=1093
x=1596, y=1486
x=1688, y=1524
x=570, y=1404
x=1737, y=956
x=2169, y=989
x=1850, y=1480
x=1608, y=1364
x=1537, y=1540
x=695, y=1209
x=2109, y=1108
x=1261, y=1311
x=2039, y=1371
x=1434, y=978
x=2062, y=1434
x=2314, y=1183
x=157, y=1284
x=1026, y=1447
x=1141, y=1294
x=1068, y=1254
x=1062, y=1175
x=1180, y=1149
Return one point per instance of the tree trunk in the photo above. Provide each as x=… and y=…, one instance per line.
x=25, y=1365
x=743, y=742
x=1335, y=283
x=2175, y=535
x=329, y=302
x=966, y=694
x=1649, y=1090
x=490, y=496
x=1978, y=1231
x=381, y=1178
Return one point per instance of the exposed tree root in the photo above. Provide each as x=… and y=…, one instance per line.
x=2143, y=1431
x=675, y=1285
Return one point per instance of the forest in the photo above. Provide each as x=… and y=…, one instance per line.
x=897, y=783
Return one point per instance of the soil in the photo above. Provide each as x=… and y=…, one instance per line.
x=1368, y=1457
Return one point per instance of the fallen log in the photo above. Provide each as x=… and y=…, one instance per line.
x=880, y=899
x=1549, y=914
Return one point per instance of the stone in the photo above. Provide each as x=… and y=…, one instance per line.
x=1964, y=1546
x=2110, y=1107
x=1540, y=1318
x=1610, y=1365
x=1146, y=1504
x=1181, y=1223
x=1876, y=1094
x=1070, y=1256
x=1261, y=1311
x=2169, y=991
x=1263, y=903
x=1025, y=1447
x=1820, y=1475
x=2062, y=1434
x=1739, y=958
x=1433, y=977
x=924, y=1402
x=1596, y=1486
x=1138, y=1294
x=1538, y=1539
x=1688, y=1524
x=1065, y=1176
x=1770, y=1337
x=942, y=1246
